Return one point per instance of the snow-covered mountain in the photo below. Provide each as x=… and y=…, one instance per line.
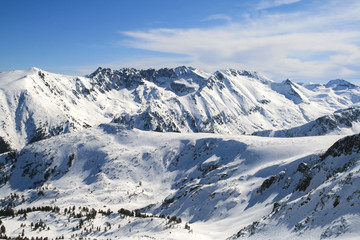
x=36, y=104
x=343, y=122
x=102, y=157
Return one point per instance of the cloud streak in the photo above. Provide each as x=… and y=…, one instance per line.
x=274, y=3
x=218, y=17
x=305, y=45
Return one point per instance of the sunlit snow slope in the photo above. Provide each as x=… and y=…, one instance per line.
x=167, y=154
x=211, y=181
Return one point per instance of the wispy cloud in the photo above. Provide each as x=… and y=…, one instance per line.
x=264, y=4
x=218, y=17
x=317, y=44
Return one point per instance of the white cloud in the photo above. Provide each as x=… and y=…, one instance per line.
x=317, y=44
x=218, y=17
x=274, y=3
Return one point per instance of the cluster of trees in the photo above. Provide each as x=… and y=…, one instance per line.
x=7, y=212
x=82, y=213
x=4, y=179
x=15, y=196
x=85, y=212
x=39, y=226
x=4, y=146
x=10, y=212
x=26, y=238
x=12, y=158
x=90, y=228
x=124, y=212
x=175, y=219
x=12, y=200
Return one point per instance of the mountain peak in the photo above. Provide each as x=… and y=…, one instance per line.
x=9, y=78
x=340, y=84
x=230, y=72
x=98, y=71
x=34, y=69
x=288, y=82
x=184, y=68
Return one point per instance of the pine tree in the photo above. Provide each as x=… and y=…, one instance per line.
x=2, y=229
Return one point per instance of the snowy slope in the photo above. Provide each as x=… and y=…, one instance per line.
x=343, y=122
x=213, y=182
x=35, y=104
x=319, y=200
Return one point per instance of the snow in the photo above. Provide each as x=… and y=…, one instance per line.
x=167, y=142
x=36, y=104
x=118, y=168
x=341, y=122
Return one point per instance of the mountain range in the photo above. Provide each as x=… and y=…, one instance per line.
x=177, y=153
x=36, y=104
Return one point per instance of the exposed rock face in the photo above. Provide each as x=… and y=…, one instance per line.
x=346, y=146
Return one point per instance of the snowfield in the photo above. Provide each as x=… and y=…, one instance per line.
x=118, y=162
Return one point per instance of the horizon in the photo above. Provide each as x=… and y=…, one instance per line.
x=305, y=41
x=208, y=73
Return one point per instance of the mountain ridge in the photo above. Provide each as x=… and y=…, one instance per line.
x=343, y=122
x=182, y=99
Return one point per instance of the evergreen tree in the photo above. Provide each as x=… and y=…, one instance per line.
x=2, y=229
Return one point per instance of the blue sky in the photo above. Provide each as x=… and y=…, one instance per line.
x=305, y=40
